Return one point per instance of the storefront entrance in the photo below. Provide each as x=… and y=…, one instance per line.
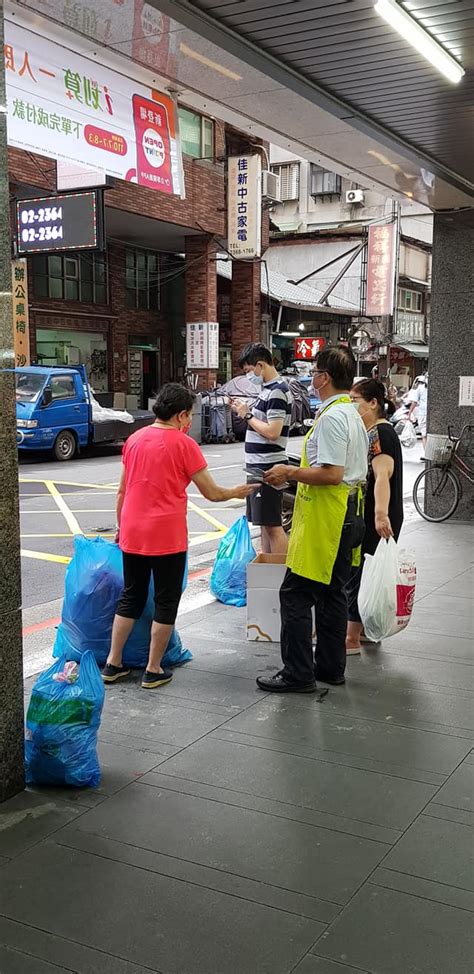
x=65, y=347
x=144, y=371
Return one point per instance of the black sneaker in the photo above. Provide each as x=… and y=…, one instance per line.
x=110, y=674
x=334, y=681
x=278, y=684
x=152, y=680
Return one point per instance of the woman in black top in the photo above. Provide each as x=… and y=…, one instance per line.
x=384, y=494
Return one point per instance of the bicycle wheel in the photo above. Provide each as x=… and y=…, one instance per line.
x=436, y=493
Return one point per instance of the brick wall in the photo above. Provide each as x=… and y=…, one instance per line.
x=113, y=319
x=245, y=306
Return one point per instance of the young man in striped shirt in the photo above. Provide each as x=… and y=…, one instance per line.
x=268, y=428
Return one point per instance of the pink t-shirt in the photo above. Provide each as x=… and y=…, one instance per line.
x=159, y=465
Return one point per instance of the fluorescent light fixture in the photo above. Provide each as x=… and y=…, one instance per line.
x=289, y=334
x=418, y=37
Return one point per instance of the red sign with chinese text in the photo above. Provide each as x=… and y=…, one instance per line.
x=308, y=348
x=381, y=269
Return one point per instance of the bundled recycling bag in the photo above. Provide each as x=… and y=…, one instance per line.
x=94, y=582
x=387, y=591
x=229, y=575
x=62, y=723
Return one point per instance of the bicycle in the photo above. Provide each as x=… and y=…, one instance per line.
x=438, y=489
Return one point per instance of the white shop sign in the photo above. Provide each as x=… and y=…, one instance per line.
x=466, y=390
x=410, y=325
x=202, y=345
x=244, y=206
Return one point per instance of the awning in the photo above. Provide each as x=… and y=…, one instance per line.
x=418, y=351
x=296, y=296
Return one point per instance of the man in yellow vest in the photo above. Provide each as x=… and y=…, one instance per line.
x=326, y=533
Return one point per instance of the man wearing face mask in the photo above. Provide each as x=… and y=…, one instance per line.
x=326, y=532
x=268, y=428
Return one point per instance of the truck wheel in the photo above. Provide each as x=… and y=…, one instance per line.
x=65, y=447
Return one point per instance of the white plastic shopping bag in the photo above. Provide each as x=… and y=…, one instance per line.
x=408, y=435
x=387, y=591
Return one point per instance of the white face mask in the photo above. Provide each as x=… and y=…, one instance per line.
x=256, y=379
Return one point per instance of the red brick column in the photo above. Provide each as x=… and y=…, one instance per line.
x=201, y=291
x=245, y=306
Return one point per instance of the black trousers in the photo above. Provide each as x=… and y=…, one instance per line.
x=168, y=574
x=298, y=597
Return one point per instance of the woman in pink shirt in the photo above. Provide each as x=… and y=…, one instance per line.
x=159, y=463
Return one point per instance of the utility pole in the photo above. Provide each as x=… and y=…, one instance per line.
x=11, y=656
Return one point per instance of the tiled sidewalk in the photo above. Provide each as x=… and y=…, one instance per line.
x=239, y=833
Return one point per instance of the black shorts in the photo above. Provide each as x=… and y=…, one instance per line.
x=168, y=574
x=264, y=507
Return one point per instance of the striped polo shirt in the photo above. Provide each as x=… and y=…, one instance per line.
x=274, y=402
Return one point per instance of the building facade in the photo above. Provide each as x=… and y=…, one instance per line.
x=123, y=312
x=316, y=237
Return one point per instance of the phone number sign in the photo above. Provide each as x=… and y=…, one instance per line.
x=69, y=222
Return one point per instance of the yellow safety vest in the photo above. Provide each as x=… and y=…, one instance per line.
x=318, y=519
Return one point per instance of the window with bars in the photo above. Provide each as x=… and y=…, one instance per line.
x=196, y=133
x=324, y=183
x=142, y=280
x=71, y=277
x=289, y=174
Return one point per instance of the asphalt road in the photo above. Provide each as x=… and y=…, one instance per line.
x=59, y=500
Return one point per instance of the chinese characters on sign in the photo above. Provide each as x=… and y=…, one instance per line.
x=67, y=107
x=244, y=206
x=21, y=327
x=308, y=348
x=202, y=345
x=466, y=390
x=381, y=269
x=410, y=325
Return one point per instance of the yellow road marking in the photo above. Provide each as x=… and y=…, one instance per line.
x=78, y=510
x=58, y=499
x=222, y=528
x=45, y=556
x=66, y=483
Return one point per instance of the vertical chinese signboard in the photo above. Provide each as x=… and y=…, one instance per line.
x=308, y=348
x=202, y=345
x=21, y=328
x=70, y=108
x=381, y=269
x=244, y=206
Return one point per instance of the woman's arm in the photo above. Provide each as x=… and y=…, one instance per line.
x=207, y=486
x=120, y=496
x=383, y=467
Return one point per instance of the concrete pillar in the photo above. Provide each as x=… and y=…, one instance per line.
x=451, y=330
x=11, y=657
x=245, y=306
x=201, y=291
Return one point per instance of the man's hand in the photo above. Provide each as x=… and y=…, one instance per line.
x=278, y=474
x=383, y=526
x=239, y=407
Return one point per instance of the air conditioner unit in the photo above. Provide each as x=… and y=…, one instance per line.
x=355, y=196
x=271, y=186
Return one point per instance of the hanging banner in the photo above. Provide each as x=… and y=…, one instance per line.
x=65, y=106
x=308, y=348
x=244, y=206
x=21, y=328
x=381, y=269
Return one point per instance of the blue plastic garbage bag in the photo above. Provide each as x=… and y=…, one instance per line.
x=62, y=723
x=229, y=575
x=94, y=582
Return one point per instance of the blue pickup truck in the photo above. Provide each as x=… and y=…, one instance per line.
x=54, y=412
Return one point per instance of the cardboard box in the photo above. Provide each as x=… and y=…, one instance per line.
x=264, y=577
x=119, y=400
x=131, y=403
